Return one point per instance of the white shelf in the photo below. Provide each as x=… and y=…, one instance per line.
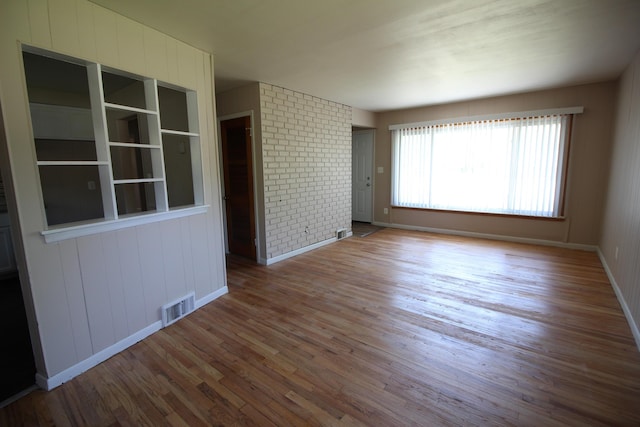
x=132, y=145
x=137, y=180
x=127, y=108
x=178, y=132
x=94, y=125
x=72, y=163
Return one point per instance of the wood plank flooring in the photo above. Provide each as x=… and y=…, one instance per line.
x=400, y=328
x=363, y=229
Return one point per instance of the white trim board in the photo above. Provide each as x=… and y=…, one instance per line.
x=99, y=357
x=625, y=308
x=211, y=297
x=291, y=254
x=590, y=248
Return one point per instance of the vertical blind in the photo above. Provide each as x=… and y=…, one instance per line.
x=511, y=166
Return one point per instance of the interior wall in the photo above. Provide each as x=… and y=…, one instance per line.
x=586, y=181
x=362, y=118
x=303, y=165
x=241, y=100
x=620, y=241
x=306, y=148
x=92, y=292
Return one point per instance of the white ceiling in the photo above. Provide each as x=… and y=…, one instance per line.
x=388, y=54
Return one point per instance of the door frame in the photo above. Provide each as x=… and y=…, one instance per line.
x=256, y=211
x=373, y=167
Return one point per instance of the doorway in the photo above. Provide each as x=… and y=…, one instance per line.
x=237, y=165
x=362, y=179
x=17, y=364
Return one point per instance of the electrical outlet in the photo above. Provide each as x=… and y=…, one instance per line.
x=386, y=211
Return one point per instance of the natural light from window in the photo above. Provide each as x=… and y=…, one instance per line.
x=507, y=166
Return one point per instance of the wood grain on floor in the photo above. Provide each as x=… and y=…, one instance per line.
x=401, y=328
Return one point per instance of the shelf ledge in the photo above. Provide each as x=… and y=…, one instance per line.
x=65, y=232
x=178, y=132
x=137, y=180
x=72, y=163
x=132, y=145
x=120, y=107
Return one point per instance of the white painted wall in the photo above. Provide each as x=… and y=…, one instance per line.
x=620, y=240
x=91, y=294
x=362, y=118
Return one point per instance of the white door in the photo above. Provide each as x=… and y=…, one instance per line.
x=362, y=182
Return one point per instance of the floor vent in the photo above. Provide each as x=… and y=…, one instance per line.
x=341, y=233
x=178, y=309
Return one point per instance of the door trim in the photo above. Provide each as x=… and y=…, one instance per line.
x=256, y=208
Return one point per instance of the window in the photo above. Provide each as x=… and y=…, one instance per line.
x=507, y=166
x=110, y=145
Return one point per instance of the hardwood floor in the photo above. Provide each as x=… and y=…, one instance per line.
x=400, y=328
x=363, y=229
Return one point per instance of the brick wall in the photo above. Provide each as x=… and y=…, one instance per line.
x=307, y=168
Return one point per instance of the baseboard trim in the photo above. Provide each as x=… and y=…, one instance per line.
x=212, y=296
x=513, y=239
x=52, y=382
x=77, y=369
x=625, y=308
x=291, y=254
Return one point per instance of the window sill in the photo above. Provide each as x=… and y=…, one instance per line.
x=497, y=214
x=67, y=231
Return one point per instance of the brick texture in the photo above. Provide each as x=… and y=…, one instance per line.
x=306, y=147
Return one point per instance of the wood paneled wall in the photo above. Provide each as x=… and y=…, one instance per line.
x=89, y=293
x=620, y=241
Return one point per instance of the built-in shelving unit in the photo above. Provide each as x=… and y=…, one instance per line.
x=137, y=165
x=111, y=145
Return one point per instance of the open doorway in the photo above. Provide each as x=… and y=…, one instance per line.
x=17, y=365
x=237, y=165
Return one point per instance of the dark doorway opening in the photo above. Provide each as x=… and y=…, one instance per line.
x=238, y=186
x=17, y=366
